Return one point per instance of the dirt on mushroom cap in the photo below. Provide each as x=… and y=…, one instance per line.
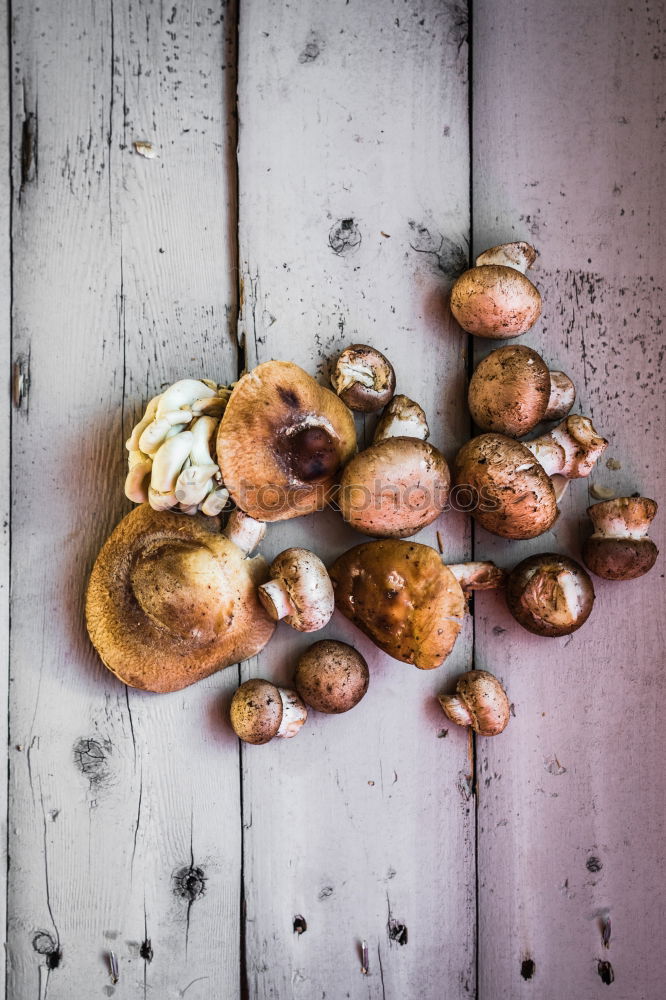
x=331, y=676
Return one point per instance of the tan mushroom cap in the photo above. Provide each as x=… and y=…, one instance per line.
x=480, y=702
x=281, y=442
x=403, y=597
x=549, y=594
x=171, y=600
x=509, y=391
x=512, y=494
x=495, y=301
x=256, y=711
x=331, y=676
x=394, y=488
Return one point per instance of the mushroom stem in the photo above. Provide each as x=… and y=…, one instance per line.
x=294, y=713
x=560, y=486
x=276, y=600
x=519, y=256
x=455, y=709
x=478, y=576
x=562, y=396
x=571, y=449
x=402, y=418
x=243, y=530
x=624, y=517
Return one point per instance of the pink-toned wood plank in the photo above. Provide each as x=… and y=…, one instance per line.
x=568, y=152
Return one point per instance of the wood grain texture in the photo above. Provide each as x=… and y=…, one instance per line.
x=568, y=152
x=125, y=832
x=353, y=213
x=5, y=460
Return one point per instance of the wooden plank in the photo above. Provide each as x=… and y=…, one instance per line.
x=353, y=211
x=124, y=806
x=5, y=366
x=568, y=144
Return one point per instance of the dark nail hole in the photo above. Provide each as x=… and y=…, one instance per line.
x=527, y=968
x=397, y=931
x=593, y=864
x=300, y=926
x=606, y=974
x=146, y=950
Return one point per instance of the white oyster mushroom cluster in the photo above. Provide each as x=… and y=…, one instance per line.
x=172, y=449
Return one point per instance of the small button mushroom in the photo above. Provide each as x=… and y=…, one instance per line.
x=495, y=299
x=363, y=378
x=400, y=483
x=619, y=549
x=549, y=595
x=512, y=493
x=299, y=590
x=331, y=676
x=512, y=391
x=480, y=701
x=261, y=711
x=403, y=597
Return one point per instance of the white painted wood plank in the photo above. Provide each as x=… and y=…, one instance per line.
x=568, y=144
x=353, y=123
x=123, y=805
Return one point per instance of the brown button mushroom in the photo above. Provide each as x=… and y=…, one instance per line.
x=261, y=711
x=171, y=600
x=281, y=442
x=511, y=493
x=495, y=299
x=405, y=599
x=512, y=391
x=480, y=701
x=619, y=549
x=331, y=676
x=550, y=595
x=299, y=591
x=363, y=378
x=401, y=483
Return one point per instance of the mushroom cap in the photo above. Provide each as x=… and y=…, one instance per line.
x=495, y=301
x=403, y=597
x=308, y=585
x=394, y=488
x=331, y=676
x=619, y=558
x=549, y=594
x=170, y=600
x=281, y=441
x=512, y=494
x=509, y=391
x=485, y=705
x=256, y=711
x=372, y=367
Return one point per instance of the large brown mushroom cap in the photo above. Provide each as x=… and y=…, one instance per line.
x=480, y=701
x=256, y=711
x=331, y=676
x=511, y=492
x=510, y=390
x=281, y=442
x=394, y=488
x=171, y=600
x=403, y=597
x=495, y=301
x=550, y=595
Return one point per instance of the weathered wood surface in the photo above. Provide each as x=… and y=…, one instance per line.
x=5, y=465
x=124, y=807
x=569, y=142
x=353, y=206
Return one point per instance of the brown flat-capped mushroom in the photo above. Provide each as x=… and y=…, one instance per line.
x=261, y=711
x=400, y=483
x=281, y=442
x=171, y=600
x=513, y=495
x=480, y=701
x=405, y=599
x=331, y=676
x=495, y=299
x=299, y=590
x=619, y=549
x=549, y=594
x=363, y=378
x=512, y=390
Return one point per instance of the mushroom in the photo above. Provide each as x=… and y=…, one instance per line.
x=405, y=599
x=261, y=710
x=281, y=442
x=480, y=701
x=550, y=595
x=513, y=495
x=495, y=299
x=400, y=483
x=171, y=600
x=619, y=549
x=512, y=391
x=331, y=676
x=363, y=378
x=299, y=591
